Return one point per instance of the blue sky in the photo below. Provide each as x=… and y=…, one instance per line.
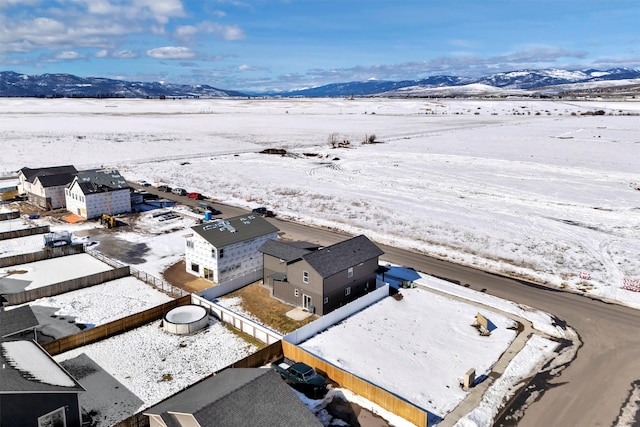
x=265, y=45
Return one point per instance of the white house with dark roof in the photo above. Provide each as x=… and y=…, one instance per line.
x=34, y=389
x=96, y=192
x=324, y=279
x=45, y=187
x=227, y=249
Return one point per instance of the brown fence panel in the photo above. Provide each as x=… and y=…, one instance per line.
x=41, y=229
x=66, y=286
x=379, y=396
x=4, y=216
x=41, y=255
x=260, y=357
x=110, y=329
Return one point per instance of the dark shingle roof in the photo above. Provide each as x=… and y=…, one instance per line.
x=31, y=174
x=101, y=180
x=225, y=232
x=55, y=180
x=21, y=376
x=335, y=258
x=238, y=398
x=17, y=320
x=283, y=251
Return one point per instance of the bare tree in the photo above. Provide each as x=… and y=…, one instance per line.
x=333, y=139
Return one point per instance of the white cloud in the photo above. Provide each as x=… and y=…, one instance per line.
x=171, y=52
x=101, y=53
x=161, y=10
x=227, y=32
x=69, y=54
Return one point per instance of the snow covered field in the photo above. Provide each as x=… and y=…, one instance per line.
x=530, y=188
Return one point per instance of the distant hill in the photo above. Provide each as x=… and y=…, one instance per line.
x=67, y=85
x=523, y=82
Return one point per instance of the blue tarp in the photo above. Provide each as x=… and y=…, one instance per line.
x=397, y=276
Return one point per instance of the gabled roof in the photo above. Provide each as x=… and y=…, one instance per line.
x=28, y=368
x=335, y=258
x=17, y=320
x=100, y=181
x=225, y=232
x=31, y=174
x=59, y=180
x=283, y=251
x=237, y=398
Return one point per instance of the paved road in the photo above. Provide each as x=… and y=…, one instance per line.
x=593, y=388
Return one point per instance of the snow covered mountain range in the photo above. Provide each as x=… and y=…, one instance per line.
x=523, y=82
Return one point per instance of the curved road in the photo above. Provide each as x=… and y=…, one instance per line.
x=592, y=390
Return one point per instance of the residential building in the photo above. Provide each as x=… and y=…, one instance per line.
x=18, y=320
x=34, y=389
x=234, y=398
x=227, y=249
x=321, y=280
x=96, y=192
x=45, y=187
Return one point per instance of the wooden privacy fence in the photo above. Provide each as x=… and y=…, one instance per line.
x=41, y=229
x=259, y=358
x=384, y=398
x=66, y=286
x=110, y=329
x=41, y=255
x=9, y=215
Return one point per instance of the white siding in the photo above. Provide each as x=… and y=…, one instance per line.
x=238, y=260
x=95, y=204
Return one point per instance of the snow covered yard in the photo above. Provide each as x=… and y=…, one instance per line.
x=106, y=302
x=417, y=348
x=132, y=371
x=47, y=272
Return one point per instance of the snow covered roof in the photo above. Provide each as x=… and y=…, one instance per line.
x=221, y=233
x=26, y=367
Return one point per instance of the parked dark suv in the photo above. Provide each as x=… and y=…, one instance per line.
x=164, y=188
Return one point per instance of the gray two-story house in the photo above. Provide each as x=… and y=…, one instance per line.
x=321, y=280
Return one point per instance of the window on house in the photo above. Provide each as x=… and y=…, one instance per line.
x=296, y=293
x=53, y=419
x=326, y=300
x=350, y=272
x=305, y=276
x=195, y=267
x=222, y=253
x=347, y=291
x=213, y=253
x=190, y=244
